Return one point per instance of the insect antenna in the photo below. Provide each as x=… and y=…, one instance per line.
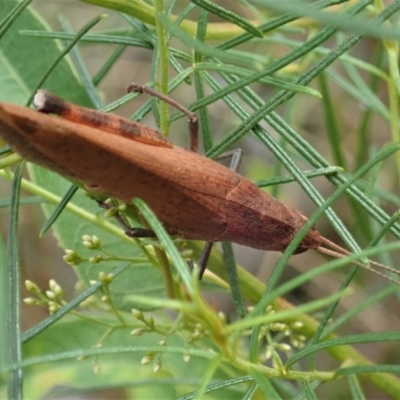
x=337, y=251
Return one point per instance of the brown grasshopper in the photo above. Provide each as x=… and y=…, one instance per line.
x=193, y=196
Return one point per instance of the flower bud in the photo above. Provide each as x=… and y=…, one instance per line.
x=95, y=259
x=283, y=347
x=32, y=287
x=71, y=257
x=138, y=314
x=30, y=301
x=55, y=288
x=50, y=294
x=95, y=367
x=138, y=331
x=157, y=366
x=110, y=213
x=105, y=278
x=147, y=358
x=91, y=242
x=149, y=321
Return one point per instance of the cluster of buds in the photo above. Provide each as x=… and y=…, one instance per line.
x=198, y=333
x=51, y=298
x=149, y=326
x=71, y=257
x=146, y=319
x=281, y=337
x=113, y=207
x=149, y=357
x=91, y=242
x=105, y=279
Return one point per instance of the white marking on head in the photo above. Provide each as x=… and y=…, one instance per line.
x=39, y=100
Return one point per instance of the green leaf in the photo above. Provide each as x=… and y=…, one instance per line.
x=229, y=16
x=18, y=77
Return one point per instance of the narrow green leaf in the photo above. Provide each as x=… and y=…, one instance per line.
x=67, y=49
x=4, y=298
x=355, y=388
x=66, y=198
x=308, y=390
x=265, y=385
x=331, y=124
x=229, y=16
x=12, y=16
x=277, y=83
x=370, y=369
x=229, y=258
x=346, y=340
x=203, y=48
x=80, y=66
x=340, y=21
x=15, y=379
x=308, y=174
x=177, y=261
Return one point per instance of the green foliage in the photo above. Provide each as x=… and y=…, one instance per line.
x=139, y=323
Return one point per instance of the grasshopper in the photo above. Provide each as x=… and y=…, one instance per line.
x=195, y=198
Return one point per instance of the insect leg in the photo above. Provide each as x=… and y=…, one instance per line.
x=235, y=155
x=139, y=233
x=204, y=256
x=129, y=231
x=192, y=117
